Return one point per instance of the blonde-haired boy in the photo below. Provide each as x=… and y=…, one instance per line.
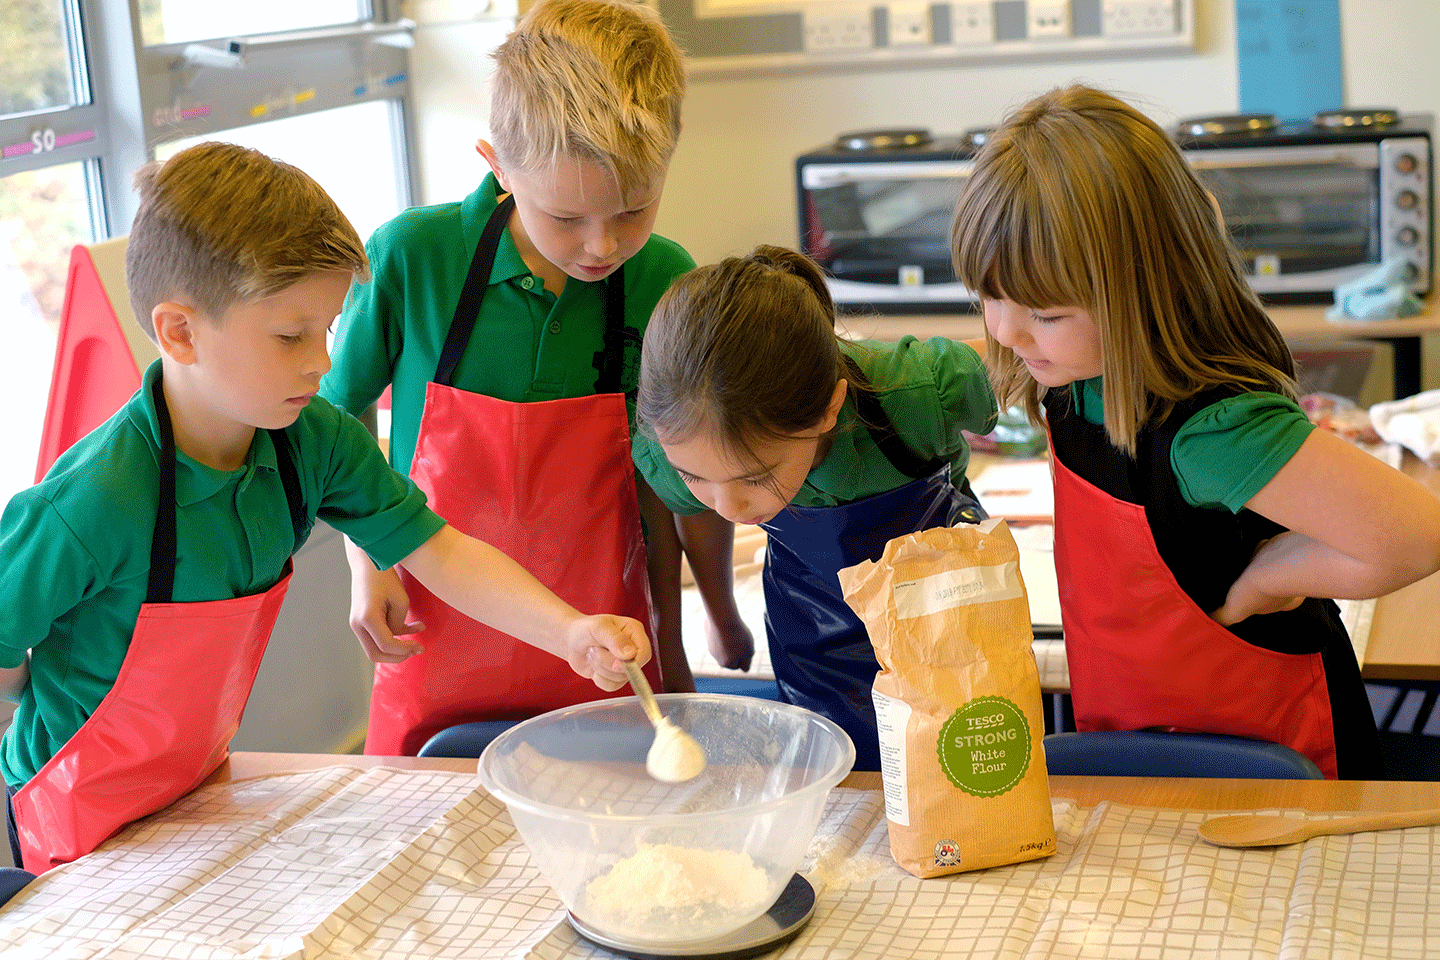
x=509, y=353
x=144, y=573
x=584, y=80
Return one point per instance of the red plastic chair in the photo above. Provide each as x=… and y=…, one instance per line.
x=99, y=352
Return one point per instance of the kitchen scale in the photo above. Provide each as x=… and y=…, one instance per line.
x=775, y=926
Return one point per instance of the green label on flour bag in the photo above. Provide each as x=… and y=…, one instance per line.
x=985, y=746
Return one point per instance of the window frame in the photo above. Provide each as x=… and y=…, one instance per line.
x=114, y=130
x=119, y=85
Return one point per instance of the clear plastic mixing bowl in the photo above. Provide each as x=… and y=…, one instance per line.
x=650, y=863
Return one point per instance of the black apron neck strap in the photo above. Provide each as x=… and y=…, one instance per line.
x=472, y=294
x=882, y=429
x=609, y=359
x=164, y=542
x=294, y=495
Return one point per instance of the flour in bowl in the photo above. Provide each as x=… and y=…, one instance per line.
x=664, y=892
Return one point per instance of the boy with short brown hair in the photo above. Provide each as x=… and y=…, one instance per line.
x=144, y=573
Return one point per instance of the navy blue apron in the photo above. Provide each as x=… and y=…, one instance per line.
x=820, y=650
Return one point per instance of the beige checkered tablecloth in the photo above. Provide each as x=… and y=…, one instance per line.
x=350, y=863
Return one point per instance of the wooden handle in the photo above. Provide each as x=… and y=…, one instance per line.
x=1377, y=821
x=641, y=686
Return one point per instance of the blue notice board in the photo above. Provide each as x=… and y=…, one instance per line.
x=1289, y=57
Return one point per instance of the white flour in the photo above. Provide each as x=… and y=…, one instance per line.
x=664, y=892
x=674, y=756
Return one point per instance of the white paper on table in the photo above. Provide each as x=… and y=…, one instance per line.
x=1017, y=490
x=1037, y=568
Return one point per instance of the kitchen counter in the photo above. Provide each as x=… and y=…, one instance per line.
x=1296, y=323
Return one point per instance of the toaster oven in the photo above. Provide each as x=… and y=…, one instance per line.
x=1309, y=205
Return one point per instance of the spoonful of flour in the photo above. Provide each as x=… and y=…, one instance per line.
x=674, y=756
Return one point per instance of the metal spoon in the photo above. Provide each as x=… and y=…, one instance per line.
x=675, y=756
x=1265, y=830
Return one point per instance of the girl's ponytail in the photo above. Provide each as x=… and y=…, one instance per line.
x=799, y=265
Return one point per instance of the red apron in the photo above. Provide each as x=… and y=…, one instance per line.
x=167, y=722
x=1143, y=655
x=549, y=483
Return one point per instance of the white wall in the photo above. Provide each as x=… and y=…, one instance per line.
x=732, y=183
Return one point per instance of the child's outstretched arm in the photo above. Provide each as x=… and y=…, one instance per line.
x=709, y=542
x=1357, y=529
x=380, y=610
x=485, y=584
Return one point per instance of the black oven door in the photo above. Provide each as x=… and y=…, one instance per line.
x=881, y=230
x=1308, y=218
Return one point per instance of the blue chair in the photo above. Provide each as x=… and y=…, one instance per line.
x=465, y=739
x=470, y=739
x=12, y=881
x=1409, y=727
x=740, y=686
x=581, y=743
x=1152, y=753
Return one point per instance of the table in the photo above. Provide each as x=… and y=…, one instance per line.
x=1404, y=638
x=1296, y=323
x=1403, y=643
x=338, y=857
x=1176, y=793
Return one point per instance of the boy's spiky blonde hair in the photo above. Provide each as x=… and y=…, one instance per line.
x=592, y=80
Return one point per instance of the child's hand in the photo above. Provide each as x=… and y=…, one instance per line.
x=1241, y=604
x=730, y=642
x=379, y=610
x=1245, y=598
x=595, y=647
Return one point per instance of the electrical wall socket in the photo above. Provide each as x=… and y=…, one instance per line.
x=972, y=23
x=1137, y=18
x=838, y=28
x=1047, y=19
x=909, y=23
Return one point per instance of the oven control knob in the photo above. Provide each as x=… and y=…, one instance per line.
x=1407, y=200
x=1406, y=163
x=1408, y=236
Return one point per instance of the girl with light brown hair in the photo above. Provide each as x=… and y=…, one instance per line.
x=1201, y=522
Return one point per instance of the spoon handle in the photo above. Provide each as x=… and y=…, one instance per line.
x=1377, y=821
x=641, y=686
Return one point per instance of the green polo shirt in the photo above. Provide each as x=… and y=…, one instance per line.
x=1227, y=452
x=528, y=344
x=77, y=548
x=932, y=391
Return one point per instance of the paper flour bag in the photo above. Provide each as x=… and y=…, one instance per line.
x=957, y=699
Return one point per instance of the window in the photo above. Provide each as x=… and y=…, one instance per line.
x=176, y=21
x=322, y=84
x=350, y=151
x=48, y=203
x=43, y=213
x=35, y=57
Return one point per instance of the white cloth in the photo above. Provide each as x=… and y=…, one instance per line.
x=1413, y=422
